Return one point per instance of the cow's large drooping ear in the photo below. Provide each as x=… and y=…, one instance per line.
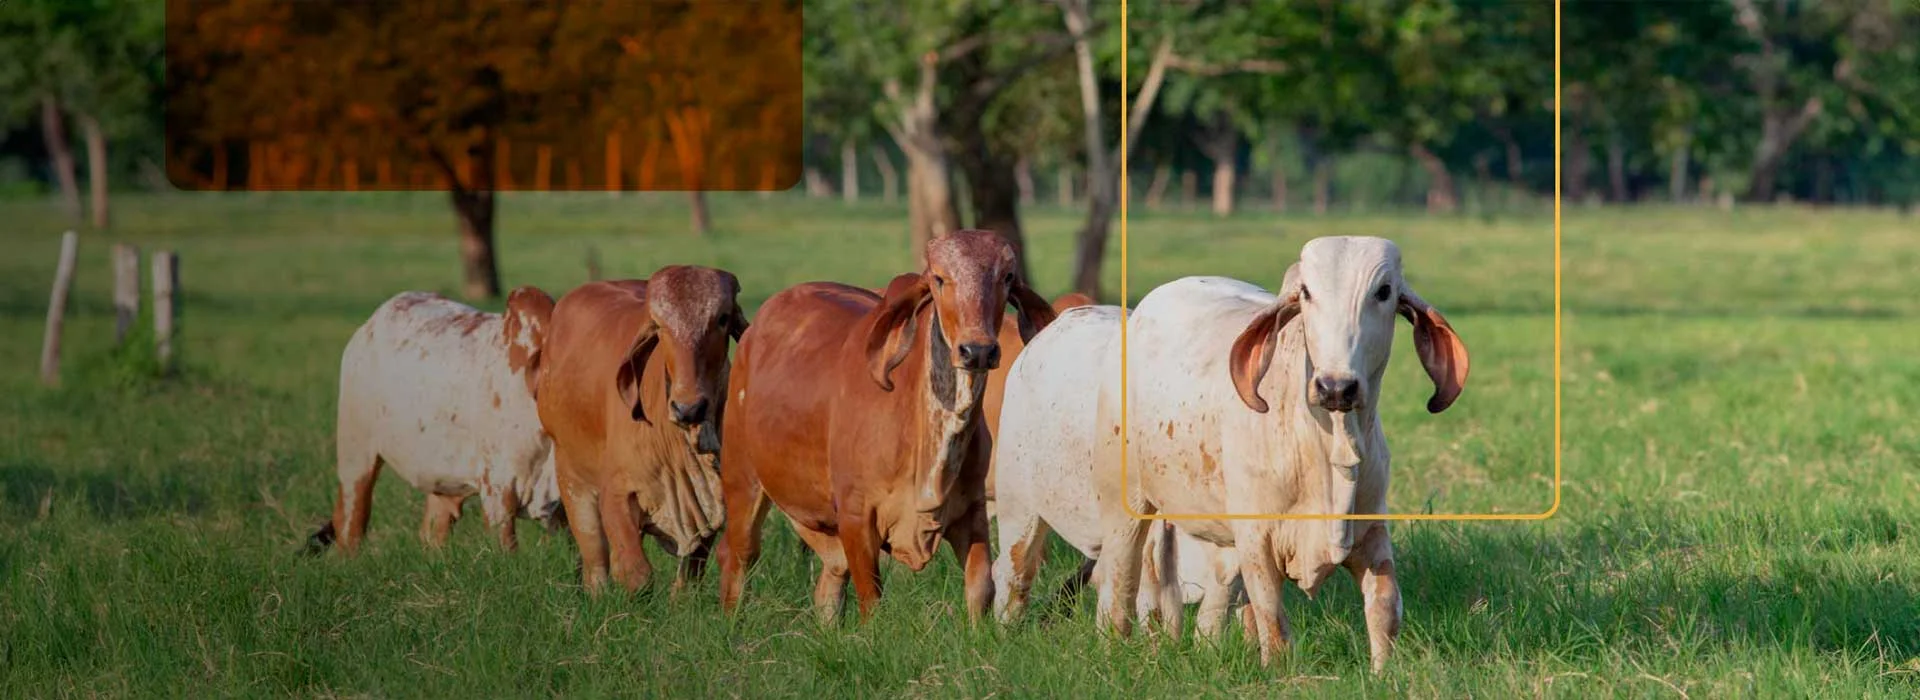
x=1252, y=352
x=890, y=326
x=737, y=323
x=1440, y=349
x=633, y=370
x=1034, y=311
x=528, y=311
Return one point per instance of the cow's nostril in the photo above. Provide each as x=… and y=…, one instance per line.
x=980, y=355
x=1338, y=393
x=689, y=414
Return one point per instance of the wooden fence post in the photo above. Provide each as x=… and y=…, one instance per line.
x=126, y=290
x=166, y=289
x=57, y=308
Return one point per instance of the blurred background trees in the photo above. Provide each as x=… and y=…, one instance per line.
x=973, y=110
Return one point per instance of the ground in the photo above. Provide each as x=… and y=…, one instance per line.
x=1740, y=448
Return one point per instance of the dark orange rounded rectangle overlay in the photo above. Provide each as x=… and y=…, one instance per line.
x=477, y=95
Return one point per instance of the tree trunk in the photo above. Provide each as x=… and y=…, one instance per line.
x=1617, y=165
x=1823, y=180
x=990, y=178
x=817, y=186
x=1441, y=198
x=469, y=178
x=930, y=206
x=1779, y=129
x=1220, y=142
x=849, y=172
x=1102, y=179
x=1279, y=177
x=1023, y=178
x=475, y=210
x=96, y=166
x=1223, y=183
x=1322, y=183
x=991, y=175
x=889, y=176
x=1483, y=179
x=688, y=129
x=1677, y=168
x=1189, y=189
x=1157, y=190
x=1576, y=161
x=697, y=205
x=1319, y=164
x=1515, y=162
x=53, y=129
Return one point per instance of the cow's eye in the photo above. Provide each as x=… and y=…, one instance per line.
x=1305, y=295
x=939, y=282
x=1385, y=290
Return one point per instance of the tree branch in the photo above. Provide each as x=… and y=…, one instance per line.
x=1251, y=65
x=991, y=86
x=1149, y=91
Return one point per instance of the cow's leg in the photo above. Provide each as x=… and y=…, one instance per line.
x=693, y=566
x=1372, y=567
x=1120, y=560
x=355, y=502
x=1023, y=545
x=501, y=506
x=1217, y=599
x=747, y=508
x=968, y=537
x=831, y=589
x=622, y=520
x=583, y=519
x=1262, y=578
x=862, y=546
x=442, y=512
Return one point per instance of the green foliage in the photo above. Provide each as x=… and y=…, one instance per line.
x=100, y=57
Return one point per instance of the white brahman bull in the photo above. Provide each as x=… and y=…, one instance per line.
x=1203, y=353
x=442, y=393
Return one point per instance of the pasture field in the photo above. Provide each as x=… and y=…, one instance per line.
x=1742, y=470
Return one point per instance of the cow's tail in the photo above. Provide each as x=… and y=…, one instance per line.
x=1164, y=558
x=320, y=540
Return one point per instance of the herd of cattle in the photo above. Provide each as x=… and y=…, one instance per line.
x=883, y=422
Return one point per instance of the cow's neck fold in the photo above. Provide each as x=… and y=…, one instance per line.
x=950, y=406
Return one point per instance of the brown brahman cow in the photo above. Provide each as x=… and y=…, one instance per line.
x=857, y=414
x=631, y=387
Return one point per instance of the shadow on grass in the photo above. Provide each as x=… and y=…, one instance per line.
x=26, y=487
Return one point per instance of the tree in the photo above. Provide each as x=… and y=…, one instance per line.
x=445, y=87
x=940, y=67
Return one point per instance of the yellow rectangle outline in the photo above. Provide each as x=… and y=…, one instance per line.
x=1125, y=434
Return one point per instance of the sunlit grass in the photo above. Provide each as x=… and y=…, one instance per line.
x=1740, y=447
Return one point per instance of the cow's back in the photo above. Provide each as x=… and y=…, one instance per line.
x=790, y=369
x=1180, y=390
x=588, y=338
x=1047, y=448
x=425, y=385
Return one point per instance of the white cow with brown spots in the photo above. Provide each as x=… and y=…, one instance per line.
x=1204, y=356
x=442, y=394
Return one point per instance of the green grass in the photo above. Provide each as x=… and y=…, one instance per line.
x=1741, y=443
